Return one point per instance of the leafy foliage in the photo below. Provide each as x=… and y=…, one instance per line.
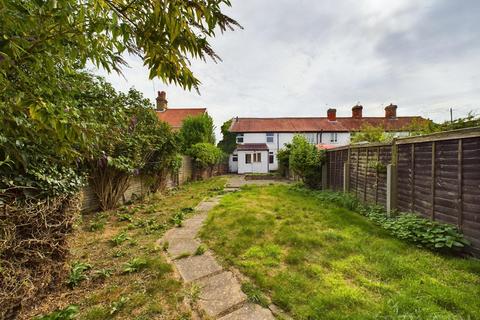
x=426, y=127
x=197, y=129
x=369, y=133
x=229, y=140
x=306, y=161
x=408, y=226
x=77, y=273
x=68, y=313
x=135, y=265
x=205, y=154
x=283, y=157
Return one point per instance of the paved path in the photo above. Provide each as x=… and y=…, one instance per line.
x=220, y=296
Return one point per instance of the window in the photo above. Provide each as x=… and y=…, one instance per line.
x=257, y=157
x=248, y=158
x=270, y=157
x=333, y=137
x=270, y=137
x=240, y=138
x=235, y=157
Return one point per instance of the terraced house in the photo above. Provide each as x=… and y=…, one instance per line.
x=259, y=139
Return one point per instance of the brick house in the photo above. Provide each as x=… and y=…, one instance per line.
x=259, y=139
x=174, y=116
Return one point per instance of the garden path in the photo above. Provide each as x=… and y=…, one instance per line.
x=220, y=295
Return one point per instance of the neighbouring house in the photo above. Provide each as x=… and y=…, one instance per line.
x=174, y=116
x=259, y=139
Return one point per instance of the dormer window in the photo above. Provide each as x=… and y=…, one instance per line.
x=270, y=137
x=240, y=138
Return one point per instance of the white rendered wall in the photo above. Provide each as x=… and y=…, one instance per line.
x=254, y=167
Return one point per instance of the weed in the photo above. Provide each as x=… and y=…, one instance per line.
x=134, y=265
x=103, y=273
x=183, y=255
x=118, y=305
x=177, y=219
x=193, y=292
x=254, y=294
x=96, y=226
x=125, y=217
x=165, y=245
x=200, y=250
x=77, y=273
x=118, y=253
x=68, y=313
x=120, y=238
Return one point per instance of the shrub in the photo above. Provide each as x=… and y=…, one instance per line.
x=205, y=155
x=306, y=161
x=369, y=133
x=406, y=226
x=283, y=157
x=197, y=129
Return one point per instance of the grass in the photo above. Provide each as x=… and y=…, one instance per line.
x=127, y=277
x=319, y=261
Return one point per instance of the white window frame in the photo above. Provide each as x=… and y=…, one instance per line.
x=239, y=138
x=270, y=137
x=257, y=157
x=333, y=137
x=234, y=157
x=271, y=157
x=247, y=157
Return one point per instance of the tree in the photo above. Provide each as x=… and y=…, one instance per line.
x=229, y=141
x=197, y=129
x=306, y=161
x=283, y=157
x=426, y=127
x=369, y=133
x=205, y=155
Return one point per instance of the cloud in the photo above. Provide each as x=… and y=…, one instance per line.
x=297, y=58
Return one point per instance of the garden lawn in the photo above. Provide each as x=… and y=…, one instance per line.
x=129, y=278
x=318, y=261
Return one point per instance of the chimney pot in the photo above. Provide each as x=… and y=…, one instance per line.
x=391, y=111
x=332, y=114
x=357, y=112
x=162, y=103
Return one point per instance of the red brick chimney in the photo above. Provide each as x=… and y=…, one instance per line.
x=162, y=101
x=357, y=112
x=332, y=114
x=391, y=111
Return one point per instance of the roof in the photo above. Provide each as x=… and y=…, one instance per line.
x=252, y=147
x=342, y=124
x=175, y=117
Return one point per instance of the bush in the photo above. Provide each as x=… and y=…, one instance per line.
x=406, y=226
x=197, y=129
x=306, y=161
x=205, y=155
x=283, y=157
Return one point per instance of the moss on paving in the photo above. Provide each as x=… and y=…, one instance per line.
x=141, y=284
x=319, y=261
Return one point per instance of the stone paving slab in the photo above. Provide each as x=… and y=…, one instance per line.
x=219, y=293
x=206, y=206
x=179, y=246
x=196, y=267
x=250, y=311
x=184, y=233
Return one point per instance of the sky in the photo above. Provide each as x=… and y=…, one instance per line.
x=299, y=58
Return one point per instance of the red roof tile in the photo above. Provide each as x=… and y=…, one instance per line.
x=318, y=124
x=252, y=147
x=175, y=117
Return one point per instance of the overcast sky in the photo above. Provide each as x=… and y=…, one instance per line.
x=300, y=57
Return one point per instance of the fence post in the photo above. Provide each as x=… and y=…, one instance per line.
x=346, y=176
x=391, y=189
x=324, y=176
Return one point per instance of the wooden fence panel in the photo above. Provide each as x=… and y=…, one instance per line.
x=469, y=221
x=438, y=177
x=404, y=178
